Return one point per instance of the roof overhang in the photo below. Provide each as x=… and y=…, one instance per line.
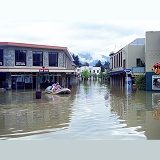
x=36, y=70
x=116, y=72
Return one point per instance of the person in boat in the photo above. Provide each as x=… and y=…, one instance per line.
x=53, y=85
x=57, y=87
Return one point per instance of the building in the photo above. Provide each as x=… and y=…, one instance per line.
x=92, y=70
x=127, y=63
x=152, y=56
x=34, y=66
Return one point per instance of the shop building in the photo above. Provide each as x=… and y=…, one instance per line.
x=32, y=66
x=152, y=56
x=127, y=63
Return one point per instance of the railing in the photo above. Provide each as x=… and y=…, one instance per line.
x=138, y=69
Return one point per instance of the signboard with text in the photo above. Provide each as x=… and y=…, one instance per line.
x=127, y=70
x=43, y=70
x=155, y=82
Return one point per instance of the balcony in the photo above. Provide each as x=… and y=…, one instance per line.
x=138, y=71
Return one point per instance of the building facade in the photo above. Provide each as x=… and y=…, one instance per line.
x=152, y=56
x=127, y=62
x=33, y=66
x=92, y=70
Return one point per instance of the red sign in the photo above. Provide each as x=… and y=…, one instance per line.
x=156, y=68
x=43, y=70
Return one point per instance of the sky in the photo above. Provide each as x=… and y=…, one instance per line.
x=94, y=26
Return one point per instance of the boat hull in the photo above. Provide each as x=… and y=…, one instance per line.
x=59, y=91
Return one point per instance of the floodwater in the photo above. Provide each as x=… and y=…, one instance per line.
x=93, y=111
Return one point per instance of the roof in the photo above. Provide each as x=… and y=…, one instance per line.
x=138, y=41
x=35, y=69
x=115, y=72
x=31, y=45
x=28, y=45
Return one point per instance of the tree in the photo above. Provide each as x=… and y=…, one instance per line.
x=86, y=64
x=102, y=68
x=95, y=76
x=100, y=75
x=106, y=65
x=85, y=74
x=106, y=75
x=76, y=60
x=98, y=64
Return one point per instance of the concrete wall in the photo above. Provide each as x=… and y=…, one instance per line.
x=130, y=53
x=152, y=49
x=152, y=55
x=9, y=57
x=135, y=51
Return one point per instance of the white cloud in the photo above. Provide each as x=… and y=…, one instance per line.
x=98, y=26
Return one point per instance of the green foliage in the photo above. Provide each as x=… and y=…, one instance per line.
x=106, y=74
x=85, y=74
x=100, y=75
x=103, y=67
x=140, y=82
x=76, y=60
x=98, y=64
x=95, y=75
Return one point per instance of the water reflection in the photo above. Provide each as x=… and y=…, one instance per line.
x=93, y=110
x=21, y=114
x=138, y=109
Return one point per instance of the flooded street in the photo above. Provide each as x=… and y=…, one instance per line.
x=93, y=111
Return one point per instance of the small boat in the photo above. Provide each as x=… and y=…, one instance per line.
x=49, y=90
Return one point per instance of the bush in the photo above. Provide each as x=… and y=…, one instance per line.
x=140, y=82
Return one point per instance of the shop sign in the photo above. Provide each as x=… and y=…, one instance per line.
x=156, y=68
x=127, y=70
x=43, y=70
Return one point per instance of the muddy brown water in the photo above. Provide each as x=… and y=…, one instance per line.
x=93, y=111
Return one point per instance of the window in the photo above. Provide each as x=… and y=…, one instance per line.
x=20, y=57
x=121, y=60
x=37, y=58
x=138, y=62
x=53, y=59
x=124, y=64
x=111, y=62
x=1, y=57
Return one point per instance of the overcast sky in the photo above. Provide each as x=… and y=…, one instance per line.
x=98, y=26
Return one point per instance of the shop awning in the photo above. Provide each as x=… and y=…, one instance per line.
x=116, y=72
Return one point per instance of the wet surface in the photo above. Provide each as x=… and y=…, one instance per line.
x=93, y=111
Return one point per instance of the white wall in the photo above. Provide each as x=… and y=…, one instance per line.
x=90, y=68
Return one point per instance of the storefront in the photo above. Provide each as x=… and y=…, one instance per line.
x=32, y=66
